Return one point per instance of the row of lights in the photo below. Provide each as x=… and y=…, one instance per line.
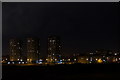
x=99, y=60
x=18, y=62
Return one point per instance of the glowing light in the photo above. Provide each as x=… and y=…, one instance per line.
x=63, y=59
x=19, y=62
x=116, y=59
x=91, y=53
x=18, y=59
x=40, y=63
x=60, y=60
x=28, y=40
x=22, y=62
x=55, y=59
x=13, y=63
x=96, y=59
x=46, y=59
x=27, y=59
x=87, y=59
x=115, y=54
x=91, y=59
x=99, y=61
x=107, y=58
x=104, y=60
x=8, y=62
x=6, y=58
x=40, y=60
x=30, y=60
x=68, y=59
x=74, y=59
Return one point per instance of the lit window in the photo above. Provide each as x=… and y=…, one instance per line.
x=30, y=60
x=27, y=59
x=107, y=57
x=87, y=59
x=12, y=62
x=53, y=40
x=28, y=40
x=91, y=53
x=21, y=60
x=68, y=59
x=74, y=59
x=116, y=59
x=37, y=51
x=115, y=54
x=50, y=40
x=49, y=48
x=91, y=59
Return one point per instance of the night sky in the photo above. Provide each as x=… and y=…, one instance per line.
x=81, y=26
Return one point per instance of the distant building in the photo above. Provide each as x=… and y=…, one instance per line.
x=32, y=50
x=54, y=48
x=14, y=50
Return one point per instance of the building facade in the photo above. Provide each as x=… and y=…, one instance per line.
x=33, y=50
x=54, y=48
x=15, y=50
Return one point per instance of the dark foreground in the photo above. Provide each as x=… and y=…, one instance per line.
x=62, y=72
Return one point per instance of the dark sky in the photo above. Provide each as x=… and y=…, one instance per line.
x=81, y=26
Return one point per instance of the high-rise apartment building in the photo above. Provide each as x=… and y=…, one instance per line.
x=32, y=50
x=15, y=50
x=54, y=48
